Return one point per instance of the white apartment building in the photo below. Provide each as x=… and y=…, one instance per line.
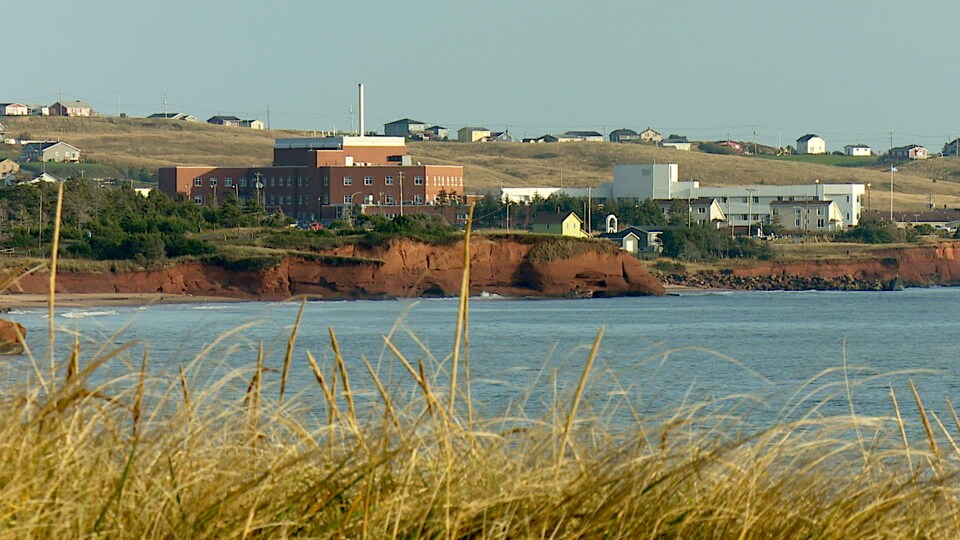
x=741, y=205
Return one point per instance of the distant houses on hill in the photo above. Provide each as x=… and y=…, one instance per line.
x=173, y=116
x=47, y=151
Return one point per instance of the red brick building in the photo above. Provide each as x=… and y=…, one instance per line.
x=316, y=178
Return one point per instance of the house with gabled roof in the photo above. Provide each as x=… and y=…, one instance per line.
x=700, y=211
x=811, y=144
x=173, y=116
x=635, y=239
x=71, y=108
x=580, y=136
x=46, y=151
x=500, y=136
x=221, y=120
x=253, y=124
x=910, y=151
x=436, y=133
x=650, y=135
x=472, y=134
x=14, y=109
x=8, y=166
x=624, y=135
x=857, y=150
x=405, y=127
x=561, y=224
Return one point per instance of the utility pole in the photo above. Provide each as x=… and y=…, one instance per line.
x=890, y=155
x=268, y=116
x=164, y=105
x=118, y=104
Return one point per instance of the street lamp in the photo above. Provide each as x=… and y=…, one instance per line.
x=868, y=196
x=349, y=210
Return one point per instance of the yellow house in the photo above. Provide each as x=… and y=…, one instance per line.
x=564, y=224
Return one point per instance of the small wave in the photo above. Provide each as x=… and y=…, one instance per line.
x=85, y=314
x=19, y=312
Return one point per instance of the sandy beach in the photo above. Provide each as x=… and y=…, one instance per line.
x=103, y=299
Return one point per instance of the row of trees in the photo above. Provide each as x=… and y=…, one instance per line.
x=116, y=223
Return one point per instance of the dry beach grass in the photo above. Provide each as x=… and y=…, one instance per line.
x=141, y=455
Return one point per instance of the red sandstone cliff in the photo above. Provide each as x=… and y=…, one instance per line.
x=922, y=265
x=401, y=268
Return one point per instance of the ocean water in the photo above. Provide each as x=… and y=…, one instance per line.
x=789, y=352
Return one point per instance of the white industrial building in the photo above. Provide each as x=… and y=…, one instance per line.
x=741, y=205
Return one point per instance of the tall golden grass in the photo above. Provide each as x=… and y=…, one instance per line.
x=139, y=455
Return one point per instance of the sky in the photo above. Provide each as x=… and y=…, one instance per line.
x=848, y=71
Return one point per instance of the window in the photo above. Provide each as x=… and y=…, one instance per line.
x=368, y=180
x=776, y=211
x=701, y=210
x=243, y=181
x=326, y=199
x=326, y=180
x=723, y=199
x=289, y=199
x=198, y=199
x=418, y=199
x=388, y=199
x=348, y=199
x=756, y=199
x=819, y=210
x=347, y=181
x=213, y=182
x=743, y=199
x=289, y=181
x=299, y=199
x=418, y=180
x=299, y=181
x=273, y=182
x=798, y=222
x=273, y=200
x=388, y=180
x=799, y=210
x=228, y=182
x=820, y=223
x=198, y=182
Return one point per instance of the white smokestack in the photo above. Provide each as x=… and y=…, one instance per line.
x=363, y=129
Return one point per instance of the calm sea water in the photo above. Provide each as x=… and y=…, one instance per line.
x=656, y=353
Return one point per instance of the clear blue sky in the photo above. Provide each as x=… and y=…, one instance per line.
x=849, y=71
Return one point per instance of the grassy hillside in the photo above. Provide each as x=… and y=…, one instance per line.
x=132, y=146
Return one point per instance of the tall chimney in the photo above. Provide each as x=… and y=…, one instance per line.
x=362, y=127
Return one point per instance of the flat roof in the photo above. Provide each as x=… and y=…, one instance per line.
x=336, y=143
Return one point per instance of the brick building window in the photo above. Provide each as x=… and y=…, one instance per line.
x=228, y=182
x=418, y=199
x=388, y=199
x=289, y=181
x=348, y=199
x=198, y=199
x=213, y=182
x=299, y=181
x=418, y=180
x=198, y=182
x=388, y=180
x=368, y=180
x=243, y=181
x=347, y=181
x=289, y=199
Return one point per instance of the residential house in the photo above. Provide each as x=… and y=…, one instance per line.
x=231, y=121
x=817, y=215
x=940, y=219
x=39, y=110
x=42, y=177
x=436, y=133
x=542, y=139
x=677, y=143
x=624, y=135
x=405, y=127
x=952, y=148
x=649, y=135
x=700, y=211
x=8, y=166
x=472, y=134
x=57, y=151
x=732, y=144
x=636, y=239
x=910, y=151
x=857, y=150
x=253, y=124
x=564, y=224
x=14, y=109
x=811, y=144
x=71, y=108
x=500, y=136
x=580, y=136
x=174, y=116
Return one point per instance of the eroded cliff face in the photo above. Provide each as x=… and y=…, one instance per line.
x=924, y=265
x=402, y=268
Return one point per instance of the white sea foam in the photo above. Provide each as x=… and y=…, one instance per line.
x=85, y=314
